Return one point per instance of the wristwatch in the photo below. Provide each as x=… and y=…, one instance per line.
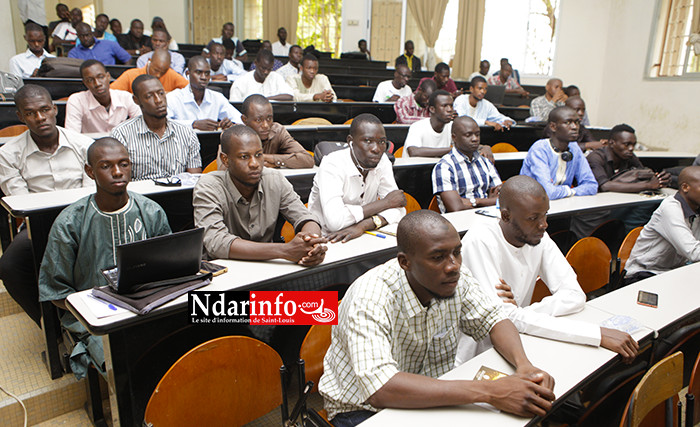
x=138, y=51
x=472, y=200
x=377, y=221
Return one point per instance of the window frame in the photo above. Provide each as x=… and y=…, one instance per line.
x=654, y=33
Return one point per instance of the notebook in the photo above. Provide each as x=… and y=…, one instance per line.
x=156, y=261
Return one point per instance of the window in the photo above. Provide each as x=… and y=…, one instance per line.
x=670, y=53
x=252, y=20
x=524, y=35
x=319, y=25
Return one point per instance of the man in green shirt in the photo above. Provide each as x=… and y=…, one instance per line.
x=84, y=238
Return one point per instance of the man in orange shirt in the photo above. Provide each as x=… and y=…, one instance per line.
x=159, y=67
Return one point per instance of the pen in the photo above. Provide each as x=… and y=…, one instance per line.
x=376, y=234
x=109, y=305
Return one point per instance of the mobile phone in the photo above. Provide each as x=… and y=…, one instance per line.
x=214, y=269
x=648, y=299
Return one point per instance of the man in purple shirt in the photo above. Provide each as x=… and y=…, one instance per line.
x=443, y=80
x=105, y=51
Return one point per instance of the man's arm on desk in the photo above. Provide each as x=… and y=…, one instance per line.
x=427, y=152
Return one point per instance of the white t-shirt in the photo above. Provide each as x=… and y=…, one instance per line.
x=246, y=85
x=279, y=50
x=386, y=90
x=421, y=134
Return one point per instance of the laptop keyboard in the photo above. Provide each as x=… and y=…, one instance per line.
x=112, y=276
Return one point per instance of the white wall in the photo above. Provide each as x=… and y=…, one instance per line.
x=173, y=12
x=360, y=11
x=8, y=46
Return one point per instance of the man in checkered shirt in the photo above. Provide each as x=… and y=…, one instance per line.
x=398, y=330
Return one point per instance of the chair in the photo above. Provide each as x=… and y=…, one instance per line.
x=226, y=381
x=348, y=121
x=399, y=152
x=623, y=253
x=287, y=232
x=310, y=121
x=13, y=130
x=313, y=350
x=661, y=383
x=612, y=232
x=211, y=167
x=434, y=206
x=590, y=258
x=564, y=239
x=411, y=203
x=541, y=291
x=504, y=147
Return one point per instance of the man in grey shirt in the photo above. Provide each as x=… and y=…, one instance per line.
x=238, y=207
x=671, y=238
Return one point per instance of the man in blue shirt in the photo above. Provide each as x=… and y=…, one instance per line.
x=557, y=161
x=105, y=51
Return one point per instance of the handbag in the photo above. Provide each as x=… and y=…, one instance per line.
x=630, y=176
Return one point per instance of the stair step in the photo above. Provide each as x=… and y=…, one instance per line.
x=8, y=306
x=77, y=418
x=23, y=373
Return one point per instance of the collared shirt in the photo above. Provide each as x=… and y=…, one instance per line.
x=184, y=109
x=386, y=90
x=669, y=240
x=422, y=134
x=483, y=111
x=288, y=70
x=226, y=215
x=541, y=163
x=383, y=329
x=231, y=68
x=84, y=114
x=603, y=167
x=450, y=86
x=540, y=107
x=171, y=80
x=306, y=94
x=469, y=178
x=408, y=111
x=156, y=157
x=105, y=51
x=339, y=191
x=511, y=83
x=412, y=62
x=489, y=257
x=278, y=49
x=24, y=64
x=65, y=32
x=26, y=169
x=246, y=85
x=177, y=61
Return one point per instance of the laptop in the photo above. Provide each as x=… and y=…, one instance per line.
x=495, y=94
x=156, y=261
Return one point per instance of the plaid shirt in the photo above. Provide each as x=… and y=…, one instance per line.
x=408, y=111
x=511, y=83
x=455, y=172
x=383, y=329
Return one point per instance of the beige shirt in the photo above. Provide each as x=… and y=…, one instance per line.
x=86, y=115
x=26, y=169
x=306, y=94
x=226, y=215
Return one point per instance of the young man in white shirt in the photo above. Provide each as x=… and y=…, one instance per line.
x=354, y=190
x=26, y=64
x=507, y=256
x=281, y=47
x=293, y=66
x=262, y=81
x=432, y=137
x=223, y=69
x=481, y=110
x=392, y=90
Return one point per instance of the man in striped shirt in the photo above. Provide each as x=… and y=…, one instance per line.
x=463, y=178
x=158, y=147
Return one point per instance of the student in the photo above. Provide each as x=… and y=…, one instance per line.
x=281, y=47
x=134, y=41
x=27, y=64
x=557, y=161
x=158, y=24
x=507, y=256
x=28, y=164
x=262, y=81
x=671, y=238
x=105, y=51
x=100, y=32
x=362, y=46
x=515, y=73
x=505, y=78
x=276, y=63
x=309, y=85
x=432, y=137
x=585, y=138
x=63, y=14
x=293, y=66
x=223, y=69
x=238, y=52
x=408, y=59
x=161, y=40
x=238, y=208
x=392, y=90
x=481, y=110
x=158, y=147
x=387, y=351
x=98, y=109
x=573, y=90
x=483, y=72
x=280, y=149
x=200, y=108
x=84, y=239
x=354, y=190
x=414, y=107
x=554, y=96
x=443, y=80
x=115, y=26
x=159, y=67
x=463, y=178
x=65, y=31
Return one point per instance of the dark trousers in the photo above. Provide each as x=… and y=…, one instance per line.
x=351, y=419
x=18, y=275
